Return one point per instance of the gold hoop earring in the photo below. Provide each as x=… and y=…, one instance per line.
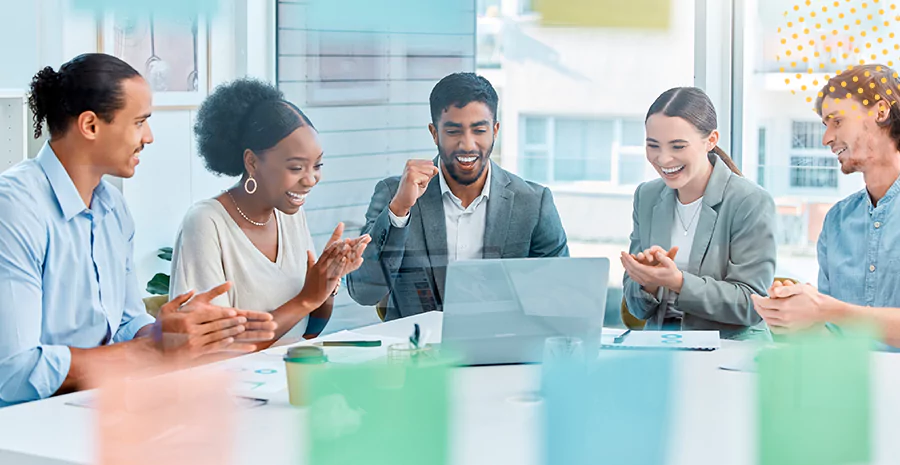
x=246, y=184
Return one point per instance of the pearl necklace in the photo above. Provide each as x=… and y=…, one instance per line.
x=255, y=223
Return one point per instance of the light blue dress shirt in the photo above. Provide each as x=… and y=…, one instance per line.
x=859, y=250
x=67, y=276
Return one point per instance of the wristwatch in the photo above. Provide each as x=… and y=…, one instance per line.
x=337, y=288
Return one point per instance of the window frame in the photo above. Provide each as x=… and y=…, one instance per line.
x=617, y=149
x=762, y=155
x=814, y=155
x=816, y=152
x=719, y=54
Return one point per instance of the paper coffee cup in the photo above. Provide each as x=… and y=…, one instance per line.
x=300, y=362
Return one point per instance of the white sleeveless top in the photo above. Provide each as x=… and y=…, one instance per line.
x=211, y=249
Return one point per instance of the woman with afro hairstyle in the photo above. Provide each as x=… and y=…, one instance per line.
x=255, y=234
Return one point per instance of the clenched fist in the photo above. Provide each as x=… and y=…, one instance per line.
x=416, y=176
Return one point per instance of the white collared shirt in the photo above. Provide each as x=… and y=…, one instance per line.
x=465, y=226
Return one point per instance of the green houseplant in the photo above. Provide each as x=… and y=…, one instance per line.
x=158, y=286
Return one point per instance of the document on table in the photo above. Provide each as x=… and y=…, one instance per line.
x=663, y=340
x=256, y=374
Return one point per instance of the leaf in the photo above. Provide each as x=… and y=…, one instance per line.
x=159, y=284
x=165, y=253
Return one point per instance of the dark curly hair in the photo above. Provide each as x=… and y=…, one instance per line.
x=88, y=82
x=243, y=114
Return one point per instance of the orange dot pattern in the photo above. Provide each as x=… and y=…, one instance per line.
x=819, y=34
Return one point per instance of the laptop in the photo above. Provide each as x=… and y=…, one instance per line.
x=413, y=284
x=499, y=312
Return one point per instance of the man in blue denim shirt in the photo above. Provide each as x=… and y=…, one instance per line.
x=69, y=298
x=859, y=247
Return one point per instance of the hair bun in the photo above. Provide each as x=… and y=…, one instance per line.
x=46, y=91
x=243, y=114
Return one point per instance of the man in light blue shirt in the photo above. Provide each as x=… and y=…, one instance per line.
x=69, y=298
x=859, y=247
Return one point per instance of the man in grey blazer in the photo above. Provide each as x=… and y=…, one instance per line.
x=459, y=206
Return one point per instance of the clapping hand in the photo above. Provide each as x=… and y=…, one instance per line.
x=654, y=268
x=339, y=258
x=190, y=326
x=792, y=307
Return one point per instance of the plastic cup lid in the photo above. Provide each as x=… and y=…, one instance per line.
x=305, y=354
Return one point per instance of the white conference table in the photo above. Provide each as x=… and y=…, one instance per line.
x=714, y=416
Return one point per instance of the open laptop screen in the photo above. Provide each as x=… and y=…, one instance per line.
x=501, y=311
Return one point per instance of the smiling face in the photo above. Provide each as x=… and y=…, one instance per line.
x=678, y=151
x=287, y=172
x=119, y=142
x=853, y=134
x=465, y=139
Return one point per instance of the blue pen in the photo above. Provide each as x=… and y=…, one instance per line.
x=351, y=343
x=621, y=338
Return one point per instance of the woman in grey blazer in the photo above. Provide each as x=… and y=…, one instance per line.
x=704, y=236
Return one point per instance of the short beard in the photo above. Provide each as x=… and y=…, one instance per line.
x=448, y=161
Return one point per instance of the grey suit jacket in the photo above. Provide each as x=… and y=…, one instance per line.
x=409, y=264
x=732, y=256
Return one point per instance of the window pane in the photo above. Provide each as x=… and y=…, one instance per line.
x=817, y=172
x=526, y=6
x=535, y=131
x=631, y=169
x=535, y=166
x=483, y=6
x=807, y=135
x=489, y=35
x=568, y=170
x=599, y=142
x=569, y=150
x=582, y=150
x=633, y=133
